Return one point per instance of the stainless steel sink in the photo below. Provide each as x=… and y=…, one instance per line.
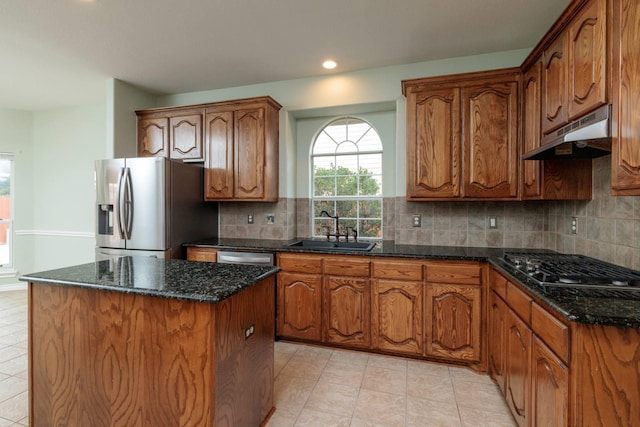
x=333, y=246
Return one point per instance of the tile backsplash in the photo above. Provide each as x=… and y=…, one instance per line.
x=608, y=227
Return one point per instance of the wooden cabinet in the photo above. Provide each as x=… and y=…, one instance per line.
x=462, y=136
x=347, y=311
x=173, y=133
x=398, y=300
x=625, y=153
x=241, y=156
x=434, y=161
x=490, y=139
x=549, y=387
x=547, y=179
x=385, y=304
x=587, y=59
x=529, y=351
x=517, y=367
x=554, y=85
x=299, y=297
x=202, y=254
x=453, y=308
x=346, y=301
x=575, y=68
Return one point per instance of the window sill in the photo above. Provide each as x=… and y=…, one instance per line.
x=10, y=272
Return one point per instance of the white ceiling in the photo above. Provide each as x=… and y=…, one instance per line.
x=60, y=52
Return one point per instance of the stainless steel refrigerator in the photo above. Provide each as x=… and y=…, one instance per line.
x=150, y=206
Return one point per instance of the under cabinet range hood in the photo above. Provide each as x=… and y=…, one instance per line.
x=585, y=138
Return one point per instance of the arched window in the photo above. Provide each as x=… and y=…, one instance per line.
x=346, y=168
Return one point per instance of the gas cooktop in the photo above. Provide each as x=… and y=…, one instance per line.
x=554, y=269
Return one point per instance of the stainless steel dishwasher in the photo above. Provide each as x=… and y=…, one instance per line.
x=254, y=258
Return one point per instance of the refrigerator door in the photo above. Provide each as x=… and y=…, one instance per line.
x=145, y=201
x=108, y=222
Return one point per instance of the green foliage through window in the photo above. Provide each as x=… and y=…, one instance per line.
x=347, y=178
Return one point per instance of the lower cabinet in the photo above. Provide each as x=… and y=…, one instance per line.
x=533, y=378
x=453, y=322
x=299, y=302
x=398, y=316
x=550, y=385
x=517, y=361
x=399, y=306
x=347, y=311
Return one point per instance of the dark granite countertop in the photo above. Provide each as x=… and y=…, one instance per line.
x=387, y=248
x=196, y=281
x=577, y=305
x=611, y=307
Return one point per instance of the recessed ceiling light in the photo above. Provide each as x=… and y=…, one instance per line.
x=329, y=64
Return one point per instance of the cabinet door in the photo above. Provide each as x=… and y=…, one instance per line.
x=398, y=316
x=218, y=176
x=554, y=85
x=549, y=388
x=249, y=154
x=186, y=137
x=453, y=322
x=531, y=134
x=299, y=299
x=433, y=144
x=347, y=311
x=587, y=59
x=497, y=340
x=518, y=361
x=625, y=152
x=490, y=124
x=153, y=137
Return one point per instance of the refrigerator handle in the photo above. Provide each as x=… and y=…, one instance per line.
x=128, y=204
x=121, y=204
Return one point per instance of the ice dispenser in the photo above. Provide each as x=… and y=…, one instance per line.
x=105, y=219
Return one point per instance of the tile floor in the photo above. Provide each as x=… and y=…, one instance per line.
x=14, y=386
x=314, y=386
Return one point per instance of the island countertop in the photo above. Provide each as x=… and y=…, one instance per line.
x=171, y=278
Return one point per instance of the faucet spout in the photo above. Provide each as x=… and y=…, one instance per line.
x=337, y=223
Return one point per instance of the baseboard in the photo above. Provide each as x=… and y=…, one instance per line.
x=13, y=287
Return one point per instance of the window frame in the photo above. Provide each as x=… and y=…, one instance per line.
x=335, y=199
x=9, y=267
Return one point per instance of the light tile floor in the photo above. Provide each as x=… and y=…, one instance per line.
x=14, y=386
x=314, y=386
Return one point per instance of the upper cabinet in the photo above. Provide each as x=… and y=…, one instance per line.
x=548, y=179
x=237, y=140
x=574, y=79
x=462, y=136
x=241, y=155
x=625, y=158
x=172, y=133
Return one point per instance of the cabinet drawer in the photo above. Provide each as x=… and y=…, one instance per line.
x=397, y=270
x=346, y=266
x=554, y=333
x=300, y=263
x=202, y=254
x=459, y=273
x=519, y=302
x=498, y=283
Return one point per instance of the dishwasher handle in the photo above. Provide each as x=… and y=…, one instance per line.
x=245, y=258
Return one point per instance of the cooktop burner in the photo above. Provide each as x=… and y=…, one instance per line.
x=568, y=270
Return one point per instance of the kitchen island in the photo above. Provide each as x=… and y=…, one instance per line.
x=149, y=342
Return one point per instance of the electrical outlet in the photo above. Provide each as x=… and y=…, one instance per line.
x=493, y=222
x=417, y=221
x=250, y=219
x=574, y=225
